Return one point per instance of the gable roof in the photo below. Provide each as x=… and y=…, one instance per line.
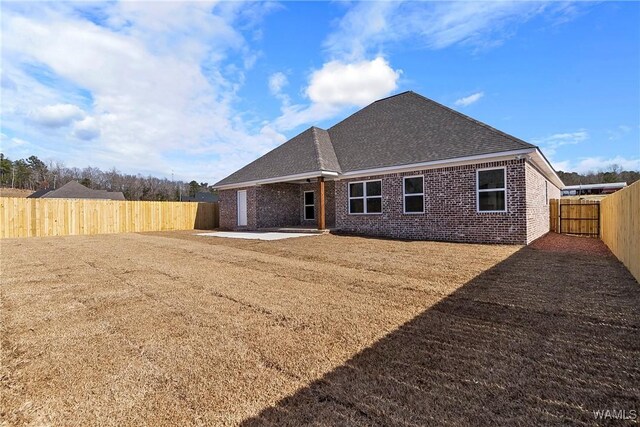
x=310, y=151
x=75, y=190
x=399, y=130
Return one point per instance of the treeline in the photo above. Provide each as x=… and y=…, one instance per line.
x=612, y=174
x=33, y=174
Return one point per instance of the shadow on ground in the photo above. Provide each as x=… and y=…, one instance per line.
x=545, y=337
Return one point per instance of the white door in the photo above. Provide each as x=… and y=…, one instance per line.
x=242, y=208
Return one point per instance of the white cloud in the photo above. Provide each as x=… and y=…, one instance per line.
x=87, y=128
x=57, y=115
x=365, y=25
x=350, y=78
x=558, y=139
x=594, y=164
x=276, y=82
x=339, y=85
x=160, y=78
x=619, y=132
x=358, y=83
x=18, y=141
x=468, y=100
x=551, y=143
x=5, y=139
x=370, y=26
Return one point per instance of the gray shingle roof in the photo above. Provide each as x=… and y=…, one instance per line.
x=310, y=151
x=402, y=129
x=39, y=193
x=409, y=128
x=75, y=190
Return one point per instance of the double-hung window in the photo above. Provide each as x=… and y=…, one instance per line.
x=413, y=193
x=492, y=190
x=365, y=197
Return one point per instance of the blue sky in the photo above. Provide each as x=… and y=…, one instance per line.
x=199, y=89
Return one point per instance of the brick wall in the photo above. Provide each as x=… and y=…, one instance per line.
x=450, y=207
x=330, y=203
x=274, y=205
x=538, y=202
x=278, y=205
x=228, y=204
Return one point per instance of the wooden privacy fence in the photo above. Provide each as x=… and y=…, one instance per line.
x=621, y=226
x=21, y=217
x=572, y=216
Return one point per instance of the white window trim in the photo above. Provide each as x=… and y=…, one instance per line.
x=304, y=202
x=478, y=190
x=363, y=197
x=404, y=195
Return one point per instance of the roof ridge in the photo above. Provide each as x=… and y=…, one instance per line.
x=393, y=96
x=369, y=105
x=471, y=119
x=316, y=146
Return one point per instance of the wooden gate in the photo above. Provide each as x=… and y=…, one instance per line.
x=569, y=216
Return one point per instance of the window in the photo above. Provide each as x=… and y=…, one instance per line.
x=413, y=191
x=309, y=205
x=365, y=197
x=491, y=190
x=546, y=193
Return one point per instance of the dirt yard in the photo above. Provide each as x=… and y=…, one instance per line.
x=174, y=329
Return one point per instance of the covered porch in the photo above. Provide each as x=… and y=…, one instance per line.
x=307, y=205
x=304, y=204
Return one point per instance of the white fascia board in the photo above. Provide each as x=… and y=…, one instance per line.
x=458, y=161
x=545, y=167
x=287, y=178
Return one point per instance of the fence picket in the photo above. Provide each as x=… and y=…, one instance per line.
x=21, y=217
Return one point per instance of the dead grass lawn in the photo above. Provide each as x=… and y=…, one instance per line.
x=173, y=329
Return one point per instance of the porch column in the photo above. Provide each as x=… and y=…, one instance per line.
x=321, y=219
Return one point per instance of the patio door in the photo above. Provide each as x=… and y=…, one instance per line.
x=242, y=208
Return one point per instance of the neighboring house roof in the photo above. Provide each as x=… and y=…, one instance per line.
x=403, y=129
x=39, y=193
x=75, y=190
x=203, y=196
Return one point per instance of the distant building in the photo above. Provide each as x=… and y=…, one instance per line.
x=75, y=190
x=589, y=189
x=39, y=193
x=203, y=197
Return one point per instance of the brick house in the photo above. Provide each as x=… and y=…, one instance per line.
x=402, y=167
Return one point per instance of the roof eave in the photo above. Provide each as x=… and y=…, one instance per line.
x=541, y=161
x=455, y=161
x=274, y=180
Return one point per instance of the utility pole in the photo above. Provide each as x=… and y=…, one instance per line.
x=13, y=175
